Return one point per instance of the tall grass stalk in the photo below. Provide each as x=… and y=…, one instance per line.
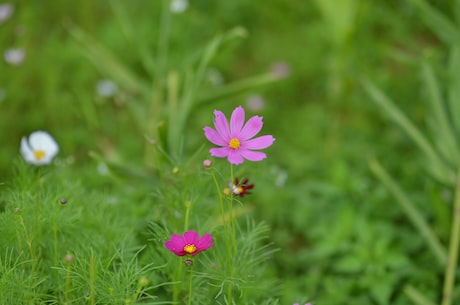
x=454, y=243
x=412, y=213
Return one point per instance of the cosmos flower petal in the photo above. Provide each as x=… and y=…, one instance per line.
x=176, y=245
x=220, y=152
x=258, y=143
x=221, y=124
x=191, y=237
x=42, y=140
x=253, y=155
x=214, y=137
x=26, y=151
x=251, y=128
x=205, y=242
x=236, y=121
x=235, y=157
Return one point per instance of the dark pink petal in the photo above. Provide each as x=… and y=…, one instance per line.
x=176, y=244
x=258, y=143
x=234, y=157
x=205, y=242
x=253, y=155
x=236, y=121
x=251, y=128
x=191, y=237
x=221, y=124
x=214, y=137
x=220, y=152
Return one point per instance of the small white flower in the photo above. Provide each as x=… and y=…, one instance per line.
x=14, y=56
x=106, y=88
x=6, y=10
x=255, y=103
x=178, y=6
x=39, y=149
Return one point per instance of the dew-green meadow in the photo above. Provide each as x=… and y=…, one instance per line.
x=126, y=197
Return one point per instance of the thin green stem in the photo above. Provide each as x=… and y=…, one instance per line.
x=29, y=242
x=188, y=206
x=55, y=237
x=452, y=259
x=92, y=275
x=232, y=222
x=190, y=286
x=224, y=221
x=67, y=283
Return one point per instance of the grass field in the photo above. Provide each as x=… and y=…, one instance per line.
x=354, y=203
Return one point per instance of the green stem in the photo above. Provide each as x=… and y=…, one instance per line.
x=29, y=242
x=190, y=286
x=92, y=291
x=452, y=260
x=224, y=222
x=232, y=222
x=67, y=284
x=188, y=206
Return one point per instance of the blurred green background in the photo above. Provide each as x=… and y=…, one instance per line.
x=342, y=237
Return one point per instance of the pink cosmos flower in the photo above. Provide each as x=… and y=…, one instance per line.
x=189, y=244
x=236, y=140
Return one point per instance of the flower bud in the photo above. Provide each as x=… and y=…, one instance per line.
x=207, y=163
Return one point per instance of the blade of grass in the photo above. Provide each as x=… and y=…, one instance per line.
x=454, y=243
x=107, y=62
x=411, y=211
x=238, y=87
x=437, y=22
x=444, y=131
x=397, y=116
x=454, y=85
x=416, y=296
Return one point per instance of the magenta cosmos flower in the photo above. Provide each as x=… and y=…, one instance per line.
x=189, y=244
x=236, y=141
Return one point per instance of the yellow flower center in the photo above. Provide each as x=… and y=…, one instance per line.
x=39, y=154
x=238, y=190
x=190, y=248
x=234, y=143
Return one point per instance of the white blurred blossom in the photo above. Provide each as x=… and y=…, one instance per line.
x=14, y=56
x=106, y=88
x=255, y=103
x=39, y=149
x=6, y=10
x=281, y=69
x=178, y=6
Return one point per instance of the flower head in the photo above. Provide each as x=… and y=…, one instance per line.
x=236, y=141
x=241, y=188
x=189, y=244
x=178, y=6
x=14, y=56
x=6, y=10
x=39, y=149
